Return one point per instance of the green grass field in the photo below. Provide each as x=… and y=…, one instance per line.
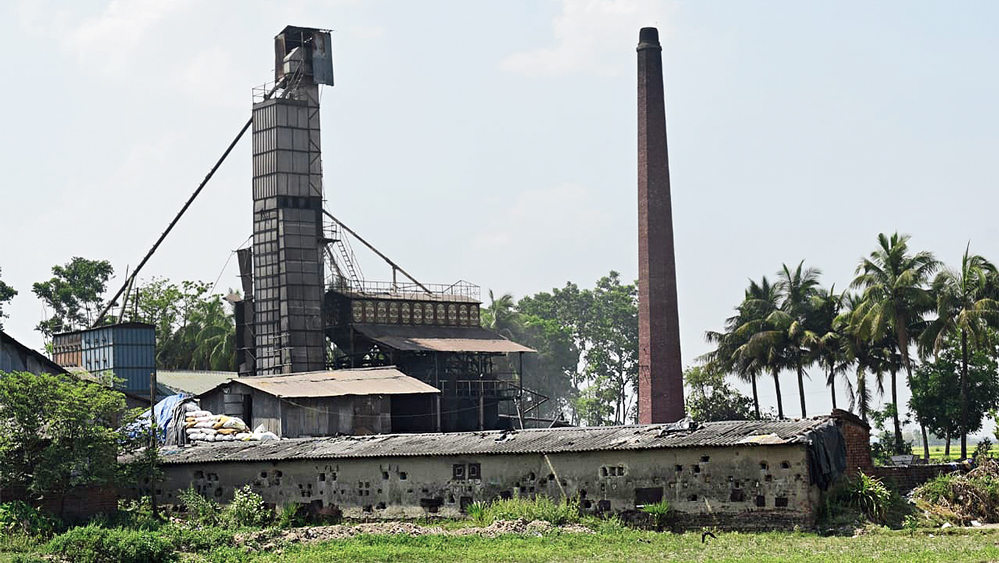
x=937, y=452
x=630, y=546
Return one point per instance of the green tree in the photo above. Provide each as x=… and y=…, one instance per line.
x=728, y=342
x=57, y=432
x=612, y=356
x=711, y=398
x=870, y=358
x=797, y=288
x=501, y=315
x=946, y=413
x=194, y=329
x=74, y=294
x=965, y=309
x=6, y=294
x=828, y=344
x=895, y=298
x=763, y=335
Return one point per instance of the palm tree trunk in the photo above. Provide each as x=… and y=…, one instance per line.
x=832, y=385
x=895, y=421
x=947, y=444
x=964, y=394
x=780, y=403
x=756, y=397
x=801, y=389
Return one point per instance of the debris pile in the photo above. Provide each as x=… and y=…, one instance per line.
x=962, y=498
x=203, y=426
x=269, y=539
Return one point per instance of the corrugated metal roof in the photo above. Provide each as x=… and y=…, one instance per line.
x=534, y=441
x=193, y=382
x=440, y=338
x=368, y=381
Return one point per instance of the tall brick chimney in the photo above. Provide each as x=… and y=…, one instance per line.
x=660, y=373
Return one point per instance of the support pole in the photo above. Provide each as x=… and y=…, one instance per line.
x=153, y=443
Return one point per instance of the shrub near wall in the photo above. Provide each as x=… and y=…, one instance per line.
x=93, y=544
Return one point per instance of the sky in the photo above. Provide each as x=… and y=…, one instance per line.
x=495, y=141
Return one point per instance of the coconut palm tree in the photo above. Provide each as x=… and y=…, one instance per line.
x=965, y=308
x=501, y=315
x=870, y=358
x=828, y=345
x=796, y=289
x=763, y=336
x=895, y=297
x=724, y=358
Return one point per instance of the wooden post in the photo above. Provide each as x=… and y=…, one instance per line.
x=153, y=442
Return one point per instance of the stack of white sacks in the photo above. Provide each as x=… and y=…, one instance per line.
x=203, y=426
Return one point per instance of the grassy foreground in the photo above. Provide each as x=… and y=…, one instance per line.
x=637, y=547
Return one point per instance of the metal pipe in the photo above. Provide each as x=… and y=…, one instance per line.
x=376, y=251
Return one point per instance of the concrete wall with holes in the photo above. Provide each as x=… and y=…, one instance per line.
x=770, y=483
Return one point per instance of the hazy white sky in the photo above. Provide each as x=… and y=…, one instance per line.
x=494, y=141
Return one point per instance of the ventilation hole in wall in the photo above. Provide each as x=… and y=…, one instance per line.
x=431, y=504
x=738, y=495
x=263, y=474
x=648, y=495
x=532, y=476
x=761, y=501
x=403, y=476
x=506, y=495
x=679, y=468
x=768, y=478
x=797, y=477
x=671, y=484
x=780, y=502
x=707, y=478
x=385, y=475
x=464, y=503
x=603, y=505
x=603, y=471
x=367, y=508
x=696, y=468
x=409, y=491
x=450, y=499
x=603, y=487
x=378, y=492
x=620, y=470
x=551, y=477
x=731, y=478
x=764, y=466
x=380, y=506
x=300, y=486
x=564, y=484
x=737, y=484
x=278, y=474
x=367, y=484
x=582, y=493
x=322, y=477
x=587, y=504
x=705, y=458
x=692, y=497
x=785, y=465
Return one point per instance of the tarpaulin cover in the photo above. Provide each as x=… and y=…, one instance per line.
x=166, y=411
x=826, y=454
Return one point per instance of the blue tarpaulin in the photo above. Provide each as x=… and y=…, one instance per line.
x=164, y=414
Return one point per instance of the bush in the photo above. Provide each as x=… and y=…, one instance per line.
x=246, y=509
x=291, y=516
x=477, y=512
x=540, y=508
x=197, y=540
x=200, y=510
x=962, y=498
x=660, y=513
x=135, y=515
x=20, y=517
x=93, y=544
x=27, y=558
x=869, y=495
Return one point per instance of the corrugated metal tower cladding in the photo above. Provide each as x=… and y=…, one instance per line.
x=660, y=373
x=287, y=228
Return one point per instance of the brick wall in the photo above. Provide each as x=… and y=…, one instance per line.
x=908, y=477
x=77, y=505
x=857, y=435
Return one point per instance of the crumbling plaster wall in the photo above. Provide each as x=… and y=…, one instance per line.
x=770, y=482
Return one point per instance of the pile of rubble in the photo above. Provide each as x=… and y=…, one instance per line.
x=270, y=539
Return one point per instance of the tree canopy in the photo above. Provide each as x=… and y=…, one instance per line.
x=74, y=294
x=6, y=294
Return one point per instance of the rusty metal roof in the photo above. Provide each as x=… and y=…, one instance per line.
x=439, y=338
x=533, y=441
x=366, y=381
